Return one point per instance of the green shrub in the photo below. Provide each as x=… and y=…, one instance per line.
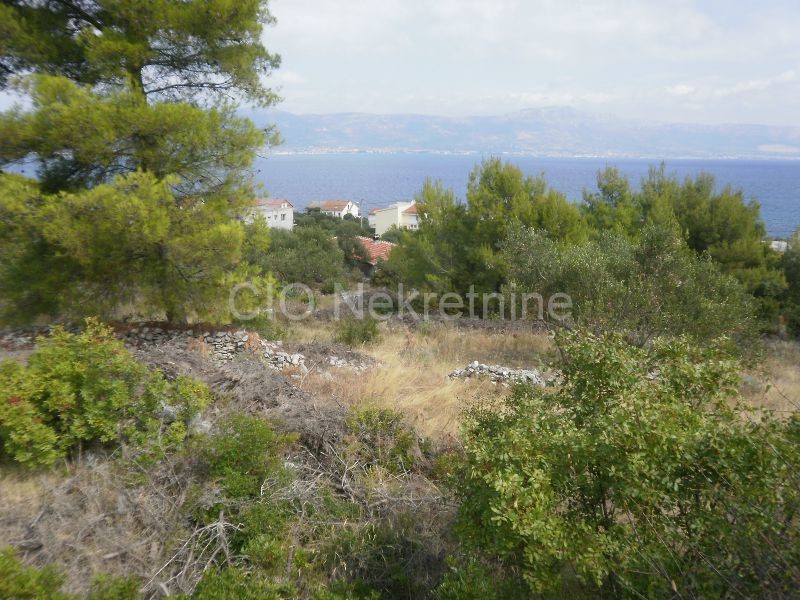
x=653, y=286
x=108, y=587
x=639, y=476
x=87, y=388
x=307, y=255
x=357, y=331
x=243, y=454
x=382, y=438
x=20, y=582
x=376, y=559
x=477, y=581
x=232, y=582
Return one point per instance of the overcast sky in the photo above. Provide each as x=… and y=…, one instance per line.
x=716, y=61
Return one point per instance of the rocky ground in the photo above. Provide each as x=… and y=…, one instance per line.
x=499, y=374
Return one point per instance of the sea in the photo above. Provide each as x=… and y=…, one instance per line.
x=378, y=179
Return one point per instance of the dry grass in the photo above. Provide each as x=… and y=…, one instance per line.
x=414, y=364
x=88, y=520
x=775, y=384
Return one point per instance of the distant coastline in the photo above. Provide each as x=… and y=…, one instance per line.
x=277, y=151
x=376, y=179
x=554, y=132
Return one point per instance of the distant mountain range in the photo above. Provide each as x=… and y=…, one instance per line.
x=552, y=131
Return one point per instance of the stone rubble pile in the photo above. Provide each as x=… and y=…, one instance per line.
x=498, y=374
x=225, y=345
x=19, y=339
x=343, y=363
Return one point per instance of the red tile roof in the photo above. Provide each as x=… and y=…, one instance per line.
x=411, y=210
x=374, y=210
x=377, y=249
x=330, y=204
x=272, y=202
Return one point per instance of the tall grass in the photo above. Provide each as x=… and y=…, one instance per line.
x=414, y=364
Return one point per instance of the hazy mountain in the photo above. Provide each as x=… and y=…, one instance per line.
x=544, y=131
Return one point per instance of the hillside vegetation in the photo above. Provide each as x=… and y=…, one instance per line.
x=165, y=431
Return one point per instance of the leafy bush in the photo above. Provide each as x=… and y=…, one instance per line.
x=87, y=388
x=19, y=582
x=357, y=331
x=241, y=584
x=244, y=453
x=477, y=581
x=307, y=255
x=382, y=438
x=651, y=287
x=639, y=475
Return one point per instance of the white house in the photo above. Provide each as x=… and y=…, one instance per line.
x=779, y=246
x=402, y=215
x=279, y=213
x=335, y=208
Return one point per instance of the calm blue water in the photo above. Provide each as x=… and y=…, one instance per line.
x=379, y=179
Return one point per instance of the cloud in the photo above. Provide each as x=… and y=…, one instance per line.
x=670, y=59
x=753, y=85
x=680, y=89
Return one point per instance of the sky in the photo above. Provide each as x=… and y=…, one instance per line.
x=663, y=60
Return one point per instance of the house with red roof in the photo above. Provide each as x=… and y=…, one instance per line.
x=377, y=250
x=335, y=208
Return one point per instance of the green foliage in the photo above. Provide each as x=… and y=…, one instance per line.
x=458, y=246
x=477, y=581
x=654, y=286
x=639, y=475
x=790, y=264
x=501, y=198
x=718, y=223
x=20, y=582
x=394, y=234
x=382, y=438
x=307, y=255
x=87, y=388
x=440, y=257
x=335, y=226
x=131, y=124
x=354, y=332
x=107, y=587
x=243, y=454
x=123, y=243
x=83, y=139
x=233, y=582
x=162, y=49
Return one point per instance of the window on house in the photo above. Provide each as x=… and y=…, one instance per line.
x=283, y=217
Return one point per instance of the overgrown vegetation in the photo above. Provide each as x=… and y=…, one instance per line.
x=357, y=331
x=476, y=244
x=142, y=164
x=640, y=475
x=651, y=287
x=306, y=255
x=86, y=388
x=19, y=581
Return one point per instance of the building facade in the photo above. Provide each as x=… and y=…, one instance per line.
x=402, y=215
x=335, y=208
x=278, y=212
